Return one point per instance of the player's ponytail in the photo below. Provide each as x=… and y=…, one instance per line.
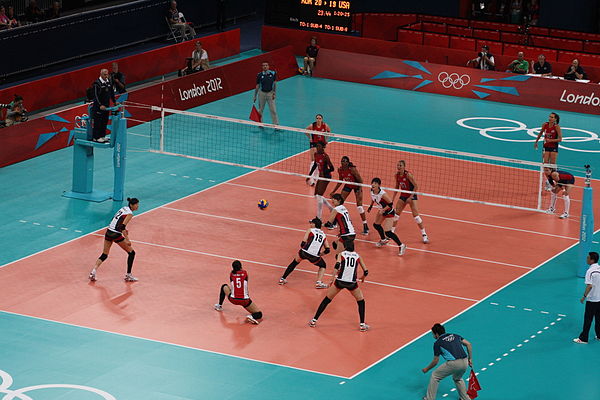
x=236, y=265
x=132, y=200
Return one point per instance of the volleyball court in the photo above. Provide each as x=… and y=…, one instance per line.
x=185, y=249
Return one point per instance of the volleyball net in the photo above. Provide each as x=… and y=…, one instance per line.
x=440, y=173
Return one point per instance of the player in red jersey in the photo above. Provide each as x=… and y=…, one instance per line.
x=348, y=173
x=237, y=293
x=314, y=138
x=406, y=181
x=313, y=245
x=552, y=137
x=561, y=181
x=385, y=216
x=117, y=233
x=325, y=167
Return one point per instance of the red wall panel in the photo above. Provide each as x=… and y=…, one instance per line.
x=409, y=36
x=459, y=30
x=384, y=26
x=18, y=142
x=537, y=92
x=433, y=27
x=508, y=37
x=591, y=47
x=72, y=85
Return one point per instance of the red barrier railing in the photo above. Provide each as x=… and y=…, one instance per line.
x=42, y=135
x=70, y=86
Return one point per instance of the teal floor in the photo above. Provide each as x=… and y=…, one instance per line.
x=35, y=217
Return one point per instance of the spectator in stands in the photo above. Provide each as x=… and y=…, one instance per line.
x=54, y=11
x=542, y=67
x=33, y=13
x=16, y=111
x=515, y=11
x=520, y=65
x=177, y=21
x=534, y=12
x=310, y=59
x=4, y=21
x=265, y=89
x=103, y=94
x=575, y=71
x=221, y=21
x=118, y=79
x=12, y=18
x=197, y=62
x=484, y=59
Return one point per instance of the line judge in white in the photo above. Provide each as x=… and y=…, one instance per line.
x=591, y=297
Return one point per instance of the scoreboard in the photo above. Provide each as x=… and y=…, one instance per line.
x=321, y=15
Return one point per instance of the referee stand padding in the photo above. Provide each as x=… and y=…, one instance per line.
x=83, y=157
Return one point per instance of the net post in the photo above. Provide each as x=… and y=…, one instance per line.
x=540, y=185
x=586, y=231
x=119, y=140
x=162, y=130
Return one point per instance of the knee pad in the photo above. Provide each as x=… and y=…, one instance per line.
x=103, y=257
x=418, y=219
x=257, y=315
x=396, y=217
x=360, y=209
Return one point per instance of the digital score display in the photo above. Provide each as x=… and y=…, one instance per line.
x=326, y=15
x=322, y=15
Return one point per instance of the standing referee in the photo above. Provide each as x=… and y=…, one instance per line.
x=591, y=296
x=103, y=94
x=265, y=88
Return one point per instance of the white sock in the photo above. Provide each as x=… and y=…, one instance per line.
x=423, y=232
x=567, y=200
x=319, y=199
x=552, y=200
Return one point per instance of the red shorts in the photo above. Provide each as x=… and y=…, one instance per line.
x=239, y=302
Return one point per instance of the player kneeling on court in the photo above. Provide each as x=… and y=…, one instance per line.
x=310, y=249
x=237, y=293
x=346, y=270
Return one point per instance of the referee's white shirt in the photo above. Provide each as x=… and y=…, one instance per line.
x=592, y=277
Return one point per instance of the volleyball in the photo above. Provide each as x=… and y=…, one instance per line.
x=262, y=204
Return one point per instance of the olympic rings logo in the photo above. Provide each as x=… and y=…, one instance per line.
x=453, y=80
x=81, y=121
x=19, y=394
x=496, y=132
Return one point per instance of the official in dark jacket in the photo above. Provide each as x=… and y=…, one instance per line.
x=103, y=94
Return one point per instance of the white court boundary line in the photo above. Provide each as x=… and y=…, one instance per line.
x=172, y=344
x=408, y=212
x=467, y=309
x=333, y=235
x=164, y=246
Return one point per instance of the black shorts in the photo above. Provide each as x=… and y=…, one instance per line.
x=309, y=257
x=349, y=188
x=405, y=197
x=567, y=182
x=550, y=149
x=326, y=175
x=347, y=239
x=346, y=285
x=314, y=144
x=115, y=237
